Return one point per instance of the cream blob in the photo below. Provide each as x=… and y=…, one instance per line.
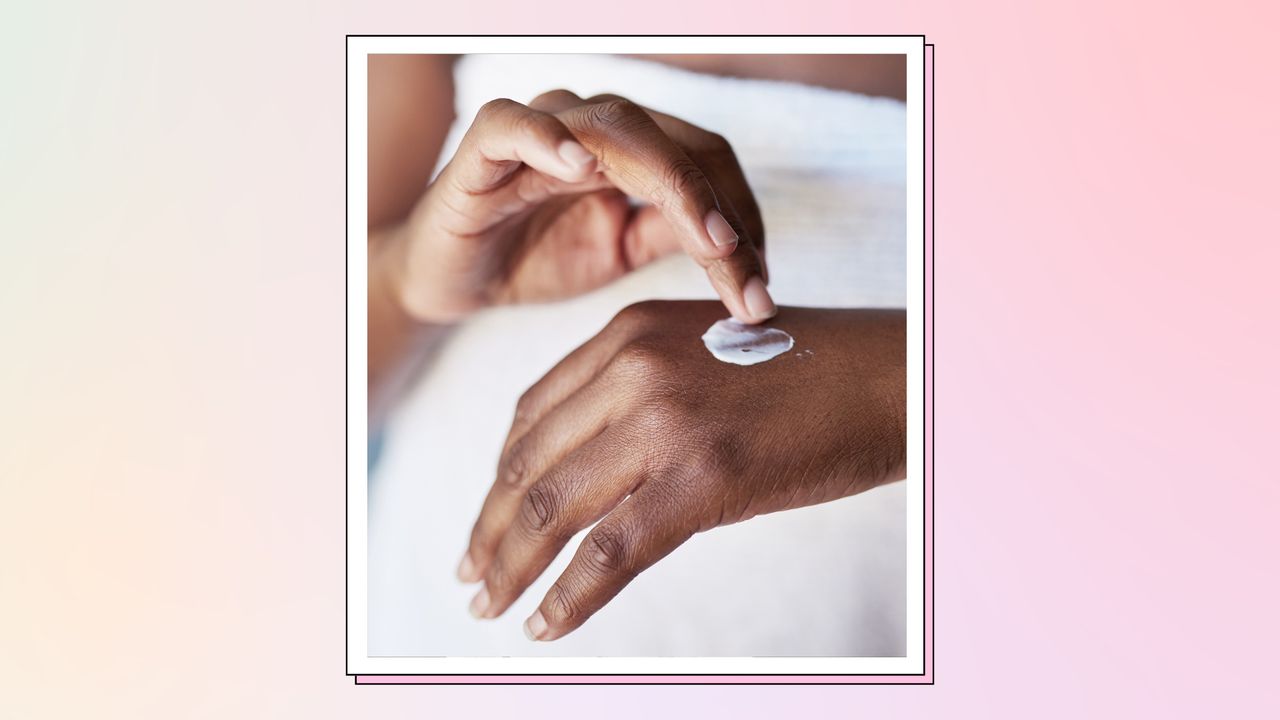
x=734, y=342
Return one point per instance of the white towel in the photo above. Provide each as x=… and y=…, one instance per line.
x=829, y=170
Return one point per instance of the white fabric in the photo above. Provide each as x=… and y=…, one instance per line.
x=829, y=171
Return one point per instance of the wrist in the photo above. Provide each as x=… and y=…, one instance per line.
x=398, y=340
x=424, y=274
x=388, y=254
x=392, y=276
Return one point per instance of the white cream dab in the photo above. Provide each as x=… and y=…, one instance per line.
x=741, y=344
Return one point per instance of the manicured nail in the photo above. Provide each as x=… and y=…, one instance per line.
x=467, y=570
x=575, y=155
x=535, y=625
x=480, y=603
x=719, y=229
x=757, y=299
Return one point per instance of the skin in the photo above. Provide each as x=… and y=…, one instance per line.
x=411, y=100
x=536, y=205
x=641, y=426
x=642, y=430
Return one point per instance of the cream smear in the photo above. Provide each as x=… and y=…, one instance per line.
x=741, y=344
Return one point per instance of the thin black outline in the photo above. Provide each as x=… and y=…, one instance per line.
x=928, y=294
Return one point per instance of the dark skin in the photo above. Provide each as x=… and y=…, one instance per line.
x=534, y=206
x=410, y=112
x=642, y=430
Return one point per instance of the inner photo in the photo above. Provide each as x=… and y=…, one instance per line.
x=637, y=355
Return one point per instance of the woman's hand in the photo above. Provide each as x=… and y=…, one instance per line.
x=642, y=427
x=534, y=206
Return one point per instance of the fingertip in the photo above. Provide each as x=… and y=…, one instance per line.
x=479, y=607
x=535, y=627
x=577, y=159
x=757, y=300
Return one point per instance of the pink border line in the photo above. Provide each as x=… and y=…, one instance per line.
x=927, y=677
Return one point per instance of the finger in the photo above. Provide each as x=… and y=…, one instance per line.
x=574, y=371
x=715, y=156
x=648, y=236
x=639, y=157
x=528, y=187
x=709, y=150
x=575, y=493
x=638, y=533
x=583, y=241
x=506, y=134
x=569, y=425
x=737, y=203
x=562, y=381
x=554, y=101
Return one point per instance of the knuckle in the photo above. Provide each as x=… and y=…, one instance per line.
x=541, y=508
x=665, y=413
x=608, y=548
x=525, y=406
x=517, y=463
x=720, y=460
x=499, y=577
x=668, y=405
x=618, y=114
x=533, y=123
x=562, y=604
x=636, y=311
x=643, y=360
x=638, y=315
x=495, y=108
x=686, y=449
x=680, y=181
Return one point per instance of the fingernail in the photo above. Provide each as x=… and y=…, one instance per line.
x=467, y=570
x=719, y=229
x=535, y=625
x=757, y=299
x=480, y=603
x=575, y=155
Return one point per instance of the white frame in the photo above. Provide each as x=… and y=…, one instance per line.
x=358, y=661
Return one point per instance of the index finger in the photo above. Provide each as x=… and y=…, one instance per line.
x=640, y=159
x=645, y=528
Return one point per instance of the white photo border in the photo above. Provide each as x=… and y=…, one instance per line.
x=358, y=661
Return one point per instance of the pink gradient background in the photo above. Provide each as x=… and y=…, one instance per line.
x=171, y=444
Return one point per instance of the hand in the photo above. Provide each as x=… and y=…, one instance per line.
x=534, y=207
x=642, y=427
